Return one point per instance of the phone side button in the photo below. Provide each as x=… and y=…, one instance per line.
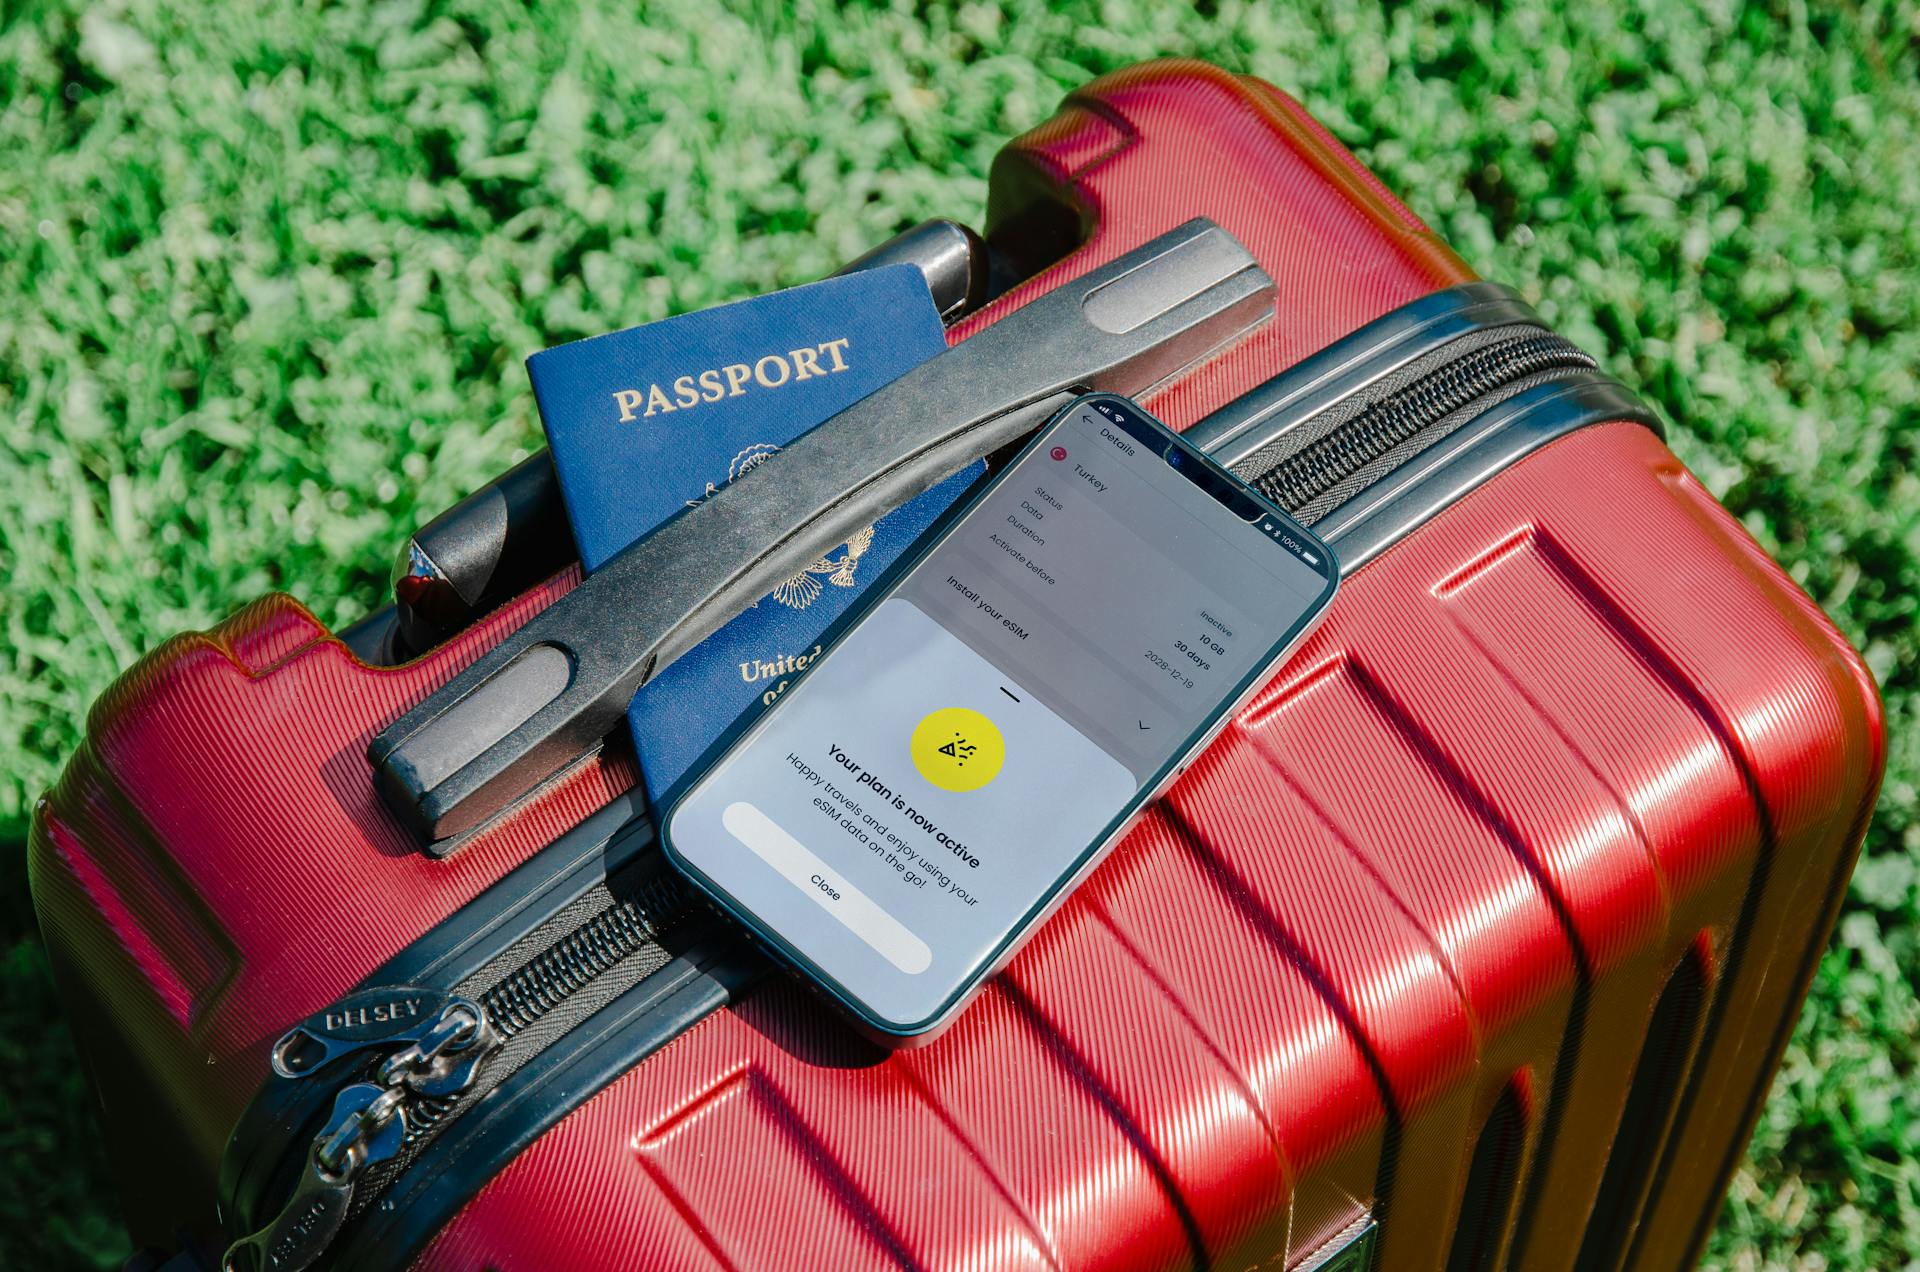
x=800, y=866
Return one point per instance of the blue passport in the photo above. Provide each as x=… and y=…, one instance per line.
x=643, y=423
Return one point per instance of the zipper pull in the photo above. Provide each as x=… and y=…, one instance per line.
x=386, y=1016
x=445, y=1058
x=368, y=1126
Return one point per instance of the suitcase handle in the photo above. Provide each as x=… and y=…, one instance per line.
x=530, y=707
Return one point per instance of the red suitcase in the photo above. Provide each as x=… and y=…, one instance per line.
x=1486, y=921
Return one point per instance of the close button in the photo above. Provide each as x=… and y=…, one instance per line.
x=798, y=865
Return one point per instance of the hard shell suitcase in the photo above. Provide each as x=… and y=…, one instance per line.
x=1485, y=923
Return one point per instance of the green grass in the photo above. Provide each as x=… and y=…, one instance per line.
x=268, y=272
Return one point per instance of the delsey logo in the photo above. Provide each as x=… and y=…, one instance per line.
x=391, y=1012
x=829, y=357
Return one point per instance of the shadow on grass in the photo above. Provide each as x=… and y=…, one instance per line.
x=58, y=1210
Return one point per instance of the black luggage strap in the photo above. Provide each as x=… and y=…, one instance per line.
x=544, y=698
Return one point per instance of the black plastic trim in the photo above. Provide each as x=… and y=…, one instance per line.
x=372, y=638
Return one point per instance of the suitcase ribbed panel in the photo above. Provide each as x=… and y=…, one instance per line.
x=1428, y=893
x=269, y=631
x=1825, y=793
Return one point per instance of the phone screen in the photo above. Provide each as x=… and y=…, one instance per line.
x=907, y=811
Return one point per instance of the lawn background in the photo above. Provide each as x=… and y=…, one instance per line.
x=268, y=272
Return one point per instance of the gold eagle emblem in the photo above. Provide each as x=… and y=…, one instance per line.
x=837, y=567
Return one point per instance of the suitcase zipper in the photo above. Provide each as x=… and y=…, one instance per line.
x=1398, y=418
x=384, y=1118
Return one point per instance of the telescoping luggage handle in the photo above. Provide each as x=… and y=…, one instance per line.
x=545, y=696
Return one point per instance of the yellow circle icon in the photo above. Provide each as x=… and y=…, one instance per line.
x=957, y=749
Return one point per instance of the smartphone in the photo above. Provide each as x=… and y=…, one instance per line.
x=995, y=714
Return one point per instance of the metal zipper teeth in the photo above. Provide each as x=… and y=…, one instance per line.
x=1303, y=477
x=574, y=961
x=566, y=967
x=543, y=984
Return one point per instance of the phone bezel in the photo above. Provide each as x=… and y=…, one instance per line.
x=1207, y=474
